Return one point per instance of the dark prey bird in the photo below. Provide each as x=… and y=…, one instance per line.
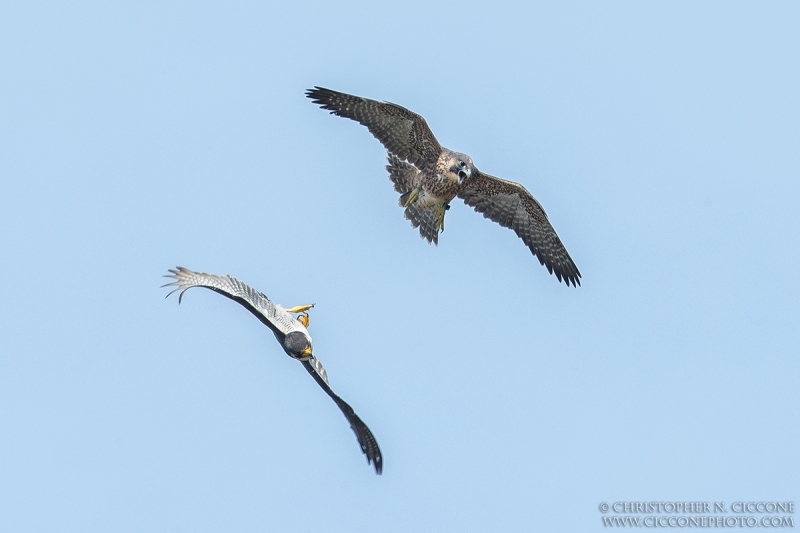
x=428, y=177
x=292, y=334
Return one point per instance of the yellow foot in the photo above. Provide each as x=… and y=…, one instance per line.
x=303, y=318
x=438, y=216
x=300, y=308
x=413, y=197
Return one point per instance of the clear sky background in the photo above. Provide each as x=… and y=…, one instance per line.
x=663, y=139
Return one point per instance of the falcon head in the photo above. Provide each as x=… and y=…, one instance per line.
x=461, y=166
x=297, y=345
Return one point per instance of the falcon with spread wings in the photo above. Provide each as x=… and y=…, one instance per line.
x=292, y=334
x=428, y=177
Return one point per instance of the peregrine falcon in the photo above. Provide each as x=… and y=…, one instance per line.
x=428, y=177
x=292, y=334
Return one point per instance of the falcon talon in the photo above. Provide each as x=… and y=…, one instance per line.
x=303, y=319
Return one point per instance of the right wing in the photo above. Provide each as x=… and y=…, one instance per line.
x=230, y=287
x=512, y=206
x=402, y=132
x=369, y=446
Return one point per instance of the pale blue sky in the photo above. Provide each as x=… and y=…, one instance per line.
x=661, y=138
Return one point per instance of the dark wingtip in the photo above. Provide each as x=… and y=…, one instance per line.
x=367, y=441
x=321, y=96
x=373, y=452
x=570, y=276
x=315, y=92
x=574, y=277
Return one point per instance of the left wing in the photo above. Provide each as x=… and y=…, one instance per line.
x=369, y=446
x=278, y=320
x=512, y=206
x=402, y=132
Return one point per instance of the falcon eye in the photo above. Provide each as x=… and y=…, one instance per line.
x=461, y=164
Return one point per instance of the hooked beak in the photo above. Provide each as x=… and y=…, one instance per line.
x=462, y=173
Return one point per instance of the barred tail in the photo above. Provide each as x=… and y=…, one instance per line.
x=425, y=220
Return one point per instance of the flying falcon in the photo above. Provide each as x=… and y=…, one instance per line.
x=292, y=334
x=428, y=177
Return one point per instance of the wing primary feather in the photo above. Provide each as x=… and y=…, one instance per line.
x=246, y=296
x=369, y=446
x=401, y=131
x=512, y=206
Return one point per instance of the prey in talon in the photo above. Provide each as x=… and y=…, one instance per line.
x=303, y=318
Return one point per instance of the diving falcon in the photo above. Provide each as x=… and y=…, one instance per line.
x=292, y=334
x=428, y=177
